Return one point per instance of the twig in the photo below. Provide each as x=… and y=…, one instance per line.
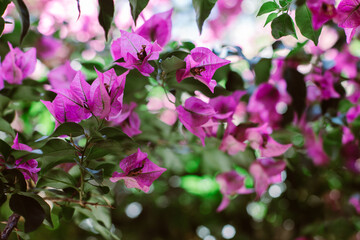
x=11, y=224
x=82, y=203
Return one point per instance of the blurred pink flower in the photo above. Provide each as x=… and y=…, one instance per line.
x=164, y=107
x=322, y=11
x=47, y=47
x=266, y=171
x=355, y=202
x=128, y=120
x=314, y=147
x=17, y=65
x=157, y=28
x=348, y=17
x=62, y=76
x=138, y=171
x=231, y=183
x=194, y=115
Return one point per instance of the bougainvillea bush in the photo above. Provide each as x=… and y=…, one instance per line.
x=114, y=125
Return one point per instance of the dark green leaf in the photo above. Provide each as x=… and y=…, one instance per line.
x=332, y=143
x=3, y=6
x=234, y=81
x=283, y=26
x=136, y=7
x=262, y=71
x=69, y=129
x=25, y=18
x=5, y=149
x=42, y=203
x=297, y=89
x=271, y=17
x=97, y=175
x=172, y=64
x=67, y=212
x=303, y=20
x=30, y=209
x=106, y=14
x=4, y=102
x=6, y=127
x=56, y=178
x=57, y=148
x=283, y=3
x=268, y=7
x=15, y=179
x=2, y=25
x=25, y=155
x=114, y=134
x=202, y=10
x=25, y=93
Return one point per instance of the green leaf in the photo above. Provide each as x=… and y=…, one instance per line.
x=136, y=7
x=106, y=14
x=57, y=148
x=296, y=87
x=5, y=149
x=69, y=129
x=25, y=18
x=2, y=25
x=303, y=20
x=283, y=26
x=42, y=203
x=283, y=3
x=3, y=6
x=4, y=102
x=202, y=10
x=271, y=17
x=29, y=208
x=97, y=175
x=6, y=127
x=56, y=178
x=262, y=70
x=172, y=64
x=267, y=7
x=15, y=179
x=114, y=134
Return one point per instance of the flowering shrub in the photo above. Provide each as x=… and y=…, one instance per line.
x=96, y=118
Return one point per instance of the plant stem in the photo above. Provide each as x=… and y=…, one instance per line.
x=11, y=224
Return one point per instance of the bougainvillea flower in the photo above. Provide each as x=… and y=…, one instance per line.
x=114, y=86
x=235, y=139
x=355, y=202
x=263, y=102
x=225, y=106
x=266, y=171
x=138, y=171
x=314, y=147
x=17, y=65
x=350, y=152
x=352, y=113
x=64, y=110
x=29, y=168
x=194, y=115
x=201, y=64
x=322, y=11
x=324, y=85
x=346, y=62
x=348, y=17
x=62, y=76
x=47, y=47
x=157, y=28
x=231, y=183
x=128, y=120
x=79, y=94
x=165, y=106
x=134, y=51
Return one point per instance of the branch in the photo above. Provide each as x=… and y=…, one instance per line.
x=81, y=203
x=11, y=224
